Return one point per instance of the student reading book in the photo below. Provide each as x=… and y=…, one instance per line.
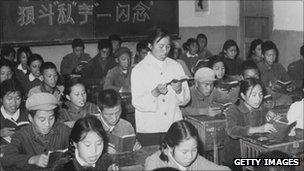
x=118, y=130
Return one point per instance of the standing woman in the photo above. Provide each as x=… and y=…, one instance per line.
x=244, y=118
x=155, y=97
x=76, y=105
x=179, y=150
x=87, y=141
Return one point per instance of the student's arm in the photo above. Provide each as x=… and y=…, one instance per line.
x=13, y=154
x=142, y=98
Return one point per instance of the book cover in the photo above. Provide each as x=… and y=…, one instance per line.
x=122, y=144
x=13, y=124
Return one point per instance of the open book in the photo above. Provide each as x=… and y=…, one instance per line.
x=227, y=85
x=55, y=156
x=181, y=79
x=283, y=129
x=122, y=144
x=13, y=124
x=283, y=84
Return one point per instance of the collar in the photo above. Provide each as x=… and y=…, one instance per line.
x=72, y=108
x=13, y=117
x=153, y=59
x=172, y=158
x=200, y=95
x=21, y=68
x=43, y=89
x=82, y=162
x=32, y=77
x=108, y=128
x=191, y=56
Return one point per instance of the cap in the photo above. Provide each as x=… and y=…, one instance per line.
x=204, y=74
x=41, y=101
x=122, y=50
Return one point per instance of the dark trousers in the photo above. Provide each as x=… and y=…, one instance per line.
x=148, y=139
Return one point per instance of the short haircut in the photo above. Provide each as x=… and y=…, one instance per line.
x=7, y=63
x=47, y=65
x=249, y=64
x=8, y=86
x=77, y=43
x=7, y=50
x=34, y=57
x=142, y=45
x=115, y=37
x=201, y=35
x=269, y=45
x=104, y=43
x=302, y=51
x=108, y=98
x=230, y=43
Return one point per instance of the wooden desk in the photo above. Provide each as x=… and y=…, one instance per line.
x=134, y=160
x=253, y=146
x=211, y=132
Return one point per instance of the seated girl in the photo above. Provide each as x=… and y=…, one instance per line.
x=255, y=51
x=12, y=113
x=244, y=118
x=31, y=145
x=76, y=106
x=231, y=52
x=34, y=77
x=23, y=53
x=109, y=103
x=180, y=150
x=88, y=140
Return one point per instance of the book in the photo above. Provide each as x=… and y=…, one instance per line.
x=282, y=83
x=13, y=124
x=122, y=144
x=283, y=129
x=227, y=85
x=181, y=79
x=55, y=156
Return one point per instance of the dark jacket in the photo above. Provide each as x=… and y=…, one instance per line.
x=239, y=120
x=27, y=143
x=97, y=69
x=116, y=79
x=233, y=66
x=70, y=62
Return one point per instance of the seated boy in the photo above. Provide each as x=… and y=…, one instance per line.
x=31, y=145
x=109, y=103
x=142, y=50
x=295, y=70
x=118, y=78
x=272, y=71
x=49, y=83
x=201, y=98
x=73, y=63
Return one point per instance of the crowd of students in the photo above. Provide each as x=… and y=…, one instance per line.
x=166, y=81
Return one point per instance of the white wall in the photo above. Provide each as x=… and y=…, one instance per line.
x=221, y=13
x=288, y=15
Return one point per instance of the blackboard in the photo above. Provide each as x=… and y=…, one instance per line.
x=59, y=22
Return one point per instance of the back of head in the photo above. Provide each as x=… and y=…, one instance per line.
x=104, y=43
x=273, y=155
x=77, y=43
x=108, y=98
x=6, y=50
x=7, y=63
x=248, y=65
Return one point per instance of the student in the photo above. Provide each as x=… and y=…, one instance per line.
x=255, y=51
x=49, y=83
x=273, y=155
x=142, y=50
x=11, y=112
x=202, y=46
x=73, y=63
x=155, y=96
x=250, y=70
x=30, y=146
x=116, y=42
x=98, y=67
x=8, y=53
x=201, y=99
x=295, y=70
x=179, y=150
x=244, y=118
x=6, y=70
x=88, y=140
x=272, y=71
x=76, y=106
x=109, y=103
x=231, y=52
x=175, y=53
x=23, y=53
x=118, y=78
x=191, y=57
x=222, y=95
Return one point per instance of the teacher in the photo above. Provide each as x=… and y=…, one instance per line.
x=155, y=96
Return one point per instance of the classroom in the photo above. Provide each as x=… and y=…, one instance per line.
x=152, y=85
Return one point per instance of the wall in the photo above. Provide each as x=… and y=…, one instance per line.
x=219, y=24
x=288, y=29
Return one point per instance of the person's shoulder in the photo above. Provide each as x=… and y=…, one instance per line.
x=67, y=56
x=153, y=160
x=34, y=90
x=62, y=128
x=125, y=124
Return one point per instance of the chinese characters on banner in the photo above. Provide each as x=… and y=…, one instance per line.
x=71, y=12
